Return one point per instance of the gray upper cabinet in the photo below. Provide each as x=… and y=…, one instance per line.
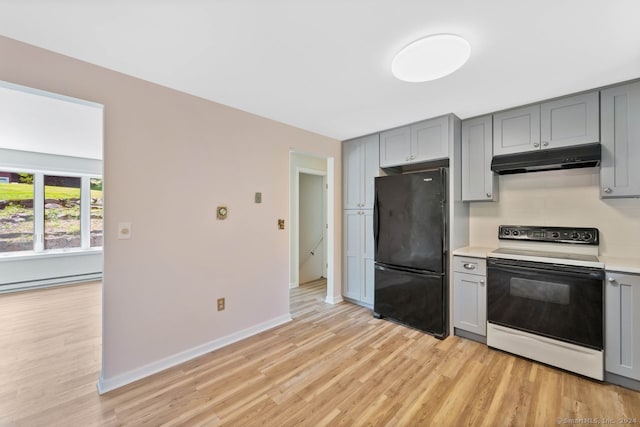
x=572, y=120
x=479, y=183
x=430, y=139
x=416, y=143
x=619, y=171
x=395, y=147
x=360, y=159
x=517, y=130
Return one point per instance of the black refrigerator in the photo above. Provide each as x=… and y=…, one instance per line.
x=410, y=233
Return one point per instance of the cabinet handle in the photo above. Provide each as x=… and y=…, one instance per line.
x=536, y=144
x=489, y=195
x=607, y=190
x=545, y=143
x=469, y=266
x=481, y=282
x=611, y=280
x=413, y=156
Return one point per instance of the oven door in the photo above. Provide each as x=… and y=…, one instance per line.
x=557, y=301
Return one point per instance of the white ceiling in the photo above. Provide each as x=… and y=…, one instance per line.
x=41, y=122
x=324, y=65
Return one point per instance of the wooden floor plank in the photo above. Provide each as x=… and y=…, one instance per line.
x=332, y=365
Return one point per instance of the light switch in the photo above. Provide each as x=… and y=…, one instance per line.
x=124, y=230
x=281, y=224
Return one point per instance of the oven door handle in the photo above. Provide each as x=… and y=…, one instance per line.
x=562, y=270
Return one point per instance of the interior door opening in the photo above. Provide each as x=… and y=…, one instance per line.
x=311, y=245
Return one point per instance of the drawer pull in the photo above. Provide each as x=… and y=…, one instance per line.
x=469, y=266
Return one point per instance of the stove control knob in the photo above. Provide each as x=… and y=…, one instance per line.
x=574, y=235
x=506, y=232
x=555, y=234
x=586, y=236
x=515, y=232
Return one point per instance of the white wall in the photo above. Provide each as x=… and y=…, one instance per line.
x=559, y=198
x=169, y=160
x=303, y=161
x=311, y=227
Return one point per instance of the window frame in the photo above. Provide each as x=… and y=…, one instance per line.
x=38, y=249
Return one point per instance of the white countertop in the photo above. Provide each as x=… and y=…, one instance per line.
x=623, y=265
x=473, y=251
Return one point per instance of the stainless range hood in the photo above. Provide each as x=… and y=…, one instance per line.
x=580, y=156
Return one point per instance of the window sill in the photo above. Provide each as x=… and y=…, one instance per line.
x=54, y=253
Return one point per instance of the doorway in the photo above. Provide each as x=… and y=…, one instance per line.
x=312, y=225
x=314, y=172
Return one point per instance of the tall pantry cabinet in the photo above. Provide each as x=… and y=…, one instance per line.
x=361, y=164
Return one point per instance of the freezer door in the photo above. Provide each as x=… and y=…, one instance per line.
x=417, y=300
x=409, y=221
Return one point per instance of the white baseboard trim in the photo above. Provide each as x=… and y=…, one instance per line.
x=48, y=283
x=293, y=285
x=107, y=384
x=333, y=299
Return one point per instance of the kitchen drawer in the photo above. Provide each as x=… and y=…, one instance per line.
x=470, y=265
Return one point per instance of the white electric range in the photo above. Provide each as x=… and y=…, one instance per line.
x=545, y=296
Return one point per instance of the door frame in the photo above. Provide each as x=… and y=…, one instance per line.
x=334, y=291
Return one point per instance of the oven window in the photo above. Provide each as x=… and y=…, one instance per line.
x=556, y=293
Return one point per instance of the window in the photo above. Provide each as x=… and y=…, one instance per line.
x=16, y=212
x=96, y=212
x=61, y=212
x=41, y=212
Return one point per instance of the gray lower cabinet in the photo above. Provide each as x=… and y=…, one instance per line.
x=619, y=171
x=361, y=164
x=479, y=183
x=358, y=249
x=622, y=345
x=420, y=142
x=572, y=120
x=470, y=295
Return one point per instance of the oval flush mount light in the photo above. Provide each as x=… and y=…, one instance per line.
x=430, y=58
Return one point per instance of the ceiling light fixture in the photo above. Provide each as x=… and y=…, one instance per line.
x=430, y=58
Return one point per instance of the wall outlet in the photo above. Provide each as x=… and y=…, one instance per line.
x=220, y=304
x=258, y=197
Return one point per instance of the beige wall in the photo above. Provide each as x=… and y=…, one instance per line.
x=559, y=198
x=169, y=160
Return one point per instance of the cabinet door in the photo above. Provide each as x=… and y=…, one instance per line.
x=478, y=181
x=619, y=171
x=352, y=174
x=516, y=131
x=622, y=352
x=368, y=254
x=470, y=303
x=352, y=273
x=573, y=120
x=430, y=140
x=395, y=147
x=371, y=168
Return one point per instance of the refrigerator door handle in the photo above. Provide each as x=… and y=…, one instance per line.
x=376, y=223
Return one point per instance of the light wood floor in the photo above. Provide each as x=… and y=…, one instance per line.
x=332, y=365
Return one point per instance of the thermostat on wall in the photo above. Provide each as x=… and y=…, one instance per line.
x=222, y=212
